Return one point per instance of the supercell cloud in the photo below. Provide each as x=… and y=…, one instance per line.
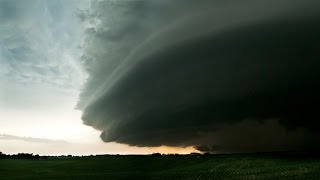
x=229, y=76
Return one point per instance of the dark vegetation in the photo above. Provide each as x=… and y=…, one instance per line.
x=159, y=166
x=20, y=156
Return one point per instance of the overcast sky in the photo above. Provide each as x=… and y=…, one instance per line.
x=139, y=76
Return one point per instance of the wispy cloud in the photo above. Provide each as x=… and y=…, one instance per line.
x=39, y=43
x=31, y=139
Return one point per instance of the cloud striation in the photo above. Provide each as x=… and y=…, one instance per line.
x=224, y=76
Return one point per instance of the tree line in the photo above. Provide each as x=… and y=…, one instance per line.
x=37, y=156
x=19, y=156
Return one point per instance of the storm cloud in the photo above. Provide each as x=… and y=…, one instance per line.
x=218, y=75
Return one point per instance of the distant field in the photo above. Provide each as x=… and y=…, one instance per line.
x=163, y=167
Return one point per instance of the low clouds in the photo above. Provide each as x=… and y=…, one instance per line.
x=203, y=74
x=31, y=139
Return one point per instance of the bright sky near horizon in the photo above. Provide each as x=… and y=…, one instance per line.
x=40, y=80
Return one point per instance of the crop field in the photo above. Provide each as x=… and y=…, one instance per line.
x=163, y=167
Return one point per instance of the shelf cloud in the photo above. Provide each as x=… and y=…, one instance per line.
x=218, y=75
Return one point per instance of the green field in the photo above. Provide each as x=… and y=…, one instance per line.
x=163, y=167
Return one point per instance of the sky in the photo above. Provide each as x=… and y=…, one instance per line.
x=41, y=76
x=143, y=76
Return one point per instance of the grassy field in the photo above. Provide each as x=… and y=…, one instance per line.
x=163, y=167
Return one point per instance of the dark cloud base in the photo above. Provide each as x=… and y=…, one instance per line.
x=250, y=88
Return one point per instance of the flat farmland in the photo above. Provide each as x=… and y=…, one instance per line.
x=164, y=167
